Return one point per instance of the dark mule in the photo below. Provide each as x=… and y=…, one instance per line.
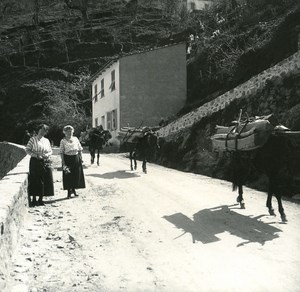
x=95, y=139
x=278, y=159
x=143, y=146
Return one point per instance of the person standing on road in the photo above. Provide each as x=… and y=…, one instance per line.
x=40, y=179
x=71, y=158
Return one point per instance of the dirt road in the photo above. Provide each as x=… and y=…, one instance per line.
x=161, y=231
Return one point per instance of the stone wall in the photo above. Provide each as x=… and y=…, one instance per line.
x=250, y=88
x=13, y=202
x=190, y=148
x=10, y=156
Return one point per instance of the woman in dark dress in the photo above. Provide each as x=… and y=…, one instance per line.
x=40, y=179
x=70, y=151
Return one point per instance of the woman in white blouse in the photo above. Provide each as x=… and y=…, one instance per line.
x=70, y=151
x=40, y=180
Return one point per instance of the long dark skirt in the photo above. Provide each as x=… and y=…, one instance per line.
x=75, y=179
x=40, y=179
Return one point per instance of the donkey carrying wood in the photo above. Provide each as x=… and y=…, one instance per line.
x=96, y=139
x=141, y=144
x=279, y=160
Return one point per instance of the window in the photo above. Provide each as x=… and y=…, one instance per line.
x=114, y=119
x=95, y=93
x=103, y=121
x=102, y=88
x=108, y=120
x=96, y=122
x=193, y=6
x=113, y=80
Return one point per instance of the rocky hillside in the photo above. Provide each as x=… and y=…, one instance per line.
x=236, y=44
x=50, y=49
x=45, y=66
x=221, y=62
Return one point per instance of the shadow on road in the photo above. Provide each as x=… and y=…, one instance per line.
x=207, y=223
x=56, y=200
x=115, y=174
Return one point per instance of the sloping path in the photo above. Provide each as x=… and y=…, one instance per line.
x=162, y=231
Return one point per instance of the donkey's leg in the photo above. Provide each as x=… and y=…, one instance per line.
x=281, y=209
x=269, y=198
x=92, y=152
x=240, y=198
x=98, y=156
x=134, y=159
x=144, y=165
x=269, y=203
x=131, y=158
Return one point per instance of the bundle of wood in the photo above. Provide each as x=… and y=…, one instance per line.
x=243, y=136
x=132, y=135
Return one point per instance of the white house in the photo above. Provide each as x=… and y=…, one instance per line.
x=140, y=88
x=191, y=5
x=197, y=4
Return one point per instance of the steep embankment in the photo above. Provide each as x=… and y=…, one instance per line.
x=44, y=69
x=217, y=65
x=275, y=91
x=246, y=43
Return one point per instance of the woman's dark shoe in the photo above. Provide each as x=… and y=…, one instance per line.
x=40, y=201
x=32, y=204
x=74, y=192
x=69, y=194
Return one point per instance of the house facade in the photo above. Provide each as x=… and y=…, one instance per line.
x=140, y=89
x=192, y=5
x=106, y=98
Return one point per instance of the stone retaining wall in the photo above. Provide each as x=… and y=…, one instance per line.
x=10, y=156
x=284, y=68
x=13, y=202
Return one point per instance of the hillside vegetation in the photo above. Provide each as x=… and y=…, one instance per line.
x=50, y=49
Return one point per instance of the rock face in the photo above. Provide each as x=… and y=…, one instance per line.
x=53, y=57
x=47, y=66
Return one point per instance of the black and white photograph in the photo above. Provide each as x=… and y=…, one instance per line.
x=149, y=145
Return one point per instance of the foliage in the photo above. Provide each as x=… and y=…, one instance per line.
x=236, y=40
x=61, y=106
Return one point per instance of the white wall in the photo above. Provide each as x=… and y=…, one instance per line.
x=111, y=99
x=199, y=4
x=153, y=85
